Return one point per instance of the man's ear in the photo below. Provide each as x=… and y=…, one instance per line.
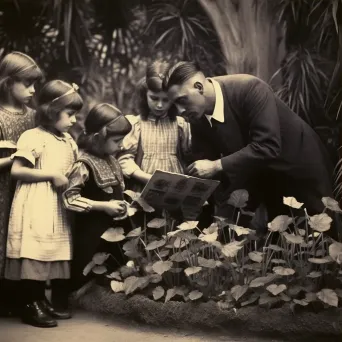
x=199, y=86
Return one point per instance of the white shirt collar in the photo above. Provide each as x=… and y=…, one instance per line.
x=218, y=112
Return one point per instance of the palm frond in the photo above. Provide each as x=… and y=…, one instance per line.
x=336, y=78
x=71, y=20
x=21, y=26
x=338, y=180
x=182, y=29
x=303, y=81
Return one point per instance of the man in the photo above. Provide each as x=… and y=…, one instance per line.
x=245, y=135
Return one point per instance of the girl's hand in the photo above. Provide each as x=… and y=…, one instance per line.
x=115, y=208
x=59, y=181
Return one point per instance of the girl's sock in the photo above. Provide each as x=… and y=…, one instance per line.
x=10, y=296
x=33, y=290
x=60, y=290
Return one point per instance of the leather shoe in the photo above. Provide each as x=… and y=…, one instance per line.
x=51, y=311
x=33, y=314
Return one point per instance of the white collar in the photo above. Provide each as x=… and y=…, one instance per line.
x=218, y=112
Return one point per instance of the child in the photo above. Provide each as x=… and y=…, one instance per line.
x=159, y=139
x=18, y=74
x=96, y=188
x=39, y=237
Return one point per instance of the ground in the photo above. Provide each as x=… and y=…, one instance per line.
x=85, y=327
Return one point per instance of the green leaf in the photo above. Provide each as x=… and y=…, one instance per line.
x=302, y=302
x=186, y=235
x=99, y=269
x=262, y=281
x=208, y=263
x=252, y=299
x=155, y=278
x=164, y=253
x=113, y=235
x=292, y=202
x=321, y=261
x=131, y=249
x=335, y=252
x=170, y=294
x=144, y=205
x=88, y=268
x=295, y=239
x=192, y=270
x=180, y=256
x=283, y=271
x=157, y=223
x=188, y=225
x=213, y=228
x=268, y=301
x=114, y=275
x=155, y=244
x=238, y=291
x=131, y=211
x=328, y=296
x=126, y=271
x=100, y=258
x=135, y=232
x=275, y=248
x=209, y=238
x=162, y=266
x=331, y=204
x=314, y=274
x=238, y=198
x=301, y=232
x=256, y=256
x=276, y=289
x=133, y=195
x=117, y=286
x=240, y=230
x=280, y=223
x=133, y=283
x=278, y=261
x=284, y=297
x=180, y=243
x=310, y=297
x=321, y=222
x=231, y=249
x=158, y=293
x=194, y=295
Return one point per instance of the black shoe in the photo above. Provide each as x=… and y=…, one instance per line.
x=51, y=311
x=34, y=315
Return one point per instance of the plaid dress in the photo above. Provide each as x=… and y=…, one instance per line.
x=12, y=126
x=39, y=227
x=159, y=142
x=165, y=145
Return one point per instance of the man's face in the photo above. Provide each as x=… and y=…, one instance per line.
x=188, y=99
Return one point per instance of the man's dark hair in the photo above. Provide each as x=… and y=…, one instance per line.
x=180, y=73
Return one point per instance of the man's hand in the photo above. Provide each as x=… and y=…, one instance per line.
x=204, y=168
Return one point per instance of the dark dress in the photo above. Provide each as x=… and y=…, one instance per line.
x=98, y=180
x=12, y=126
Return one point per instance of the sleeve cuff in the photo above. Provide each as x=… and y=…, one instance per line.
x=128, y=167
x=26, y=155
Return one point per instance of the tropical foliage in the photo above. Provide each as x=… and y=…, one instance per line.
x=298, y=263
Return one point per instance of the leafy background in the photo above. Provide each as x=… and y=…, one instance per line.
x=104, y=46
